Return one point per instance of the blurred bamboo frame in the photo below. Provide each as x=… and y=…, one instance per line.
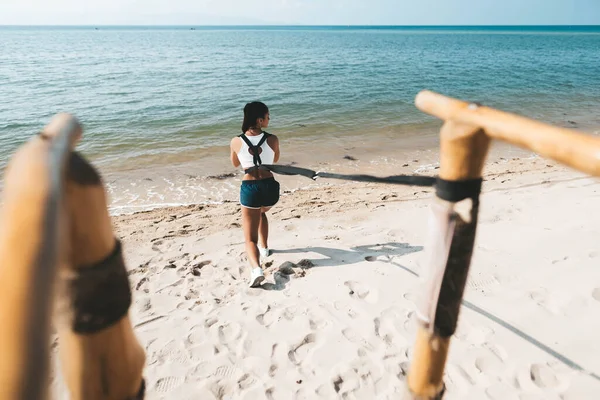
x=464, y=143
x=54, y=221
x=32, y=246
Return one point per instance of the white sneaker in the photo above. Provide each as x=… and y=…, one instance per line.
x=264, y=253
x=256, y=277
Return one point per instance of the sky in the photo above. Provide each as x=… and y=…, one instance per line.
x=300, y=12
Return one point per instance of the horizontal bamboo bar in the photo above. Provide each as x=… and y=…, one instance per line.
x=570, y=147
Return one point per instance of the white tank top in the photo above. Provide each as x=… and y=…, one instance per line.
x=267, y=155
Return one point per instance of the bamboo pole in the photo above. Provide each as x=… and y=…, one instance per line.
x=32, y=244
x=103, y=362
x=567, y=146
x=453, y=224
x=465, y=138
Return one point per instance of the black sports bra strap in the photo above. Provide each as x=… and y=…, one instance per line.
x=255, y=152
x=263, y=139
x=245, y=139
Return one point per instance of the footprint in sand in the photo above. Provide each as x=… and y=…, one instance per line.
x=290, y=312
x=342, y=306
x=242, y=258
x=480, y=282
x=172, y=352
x=144, y=305
x=158, y=245
x=395, y=317
x=348, y=382
x=459, y=380
x=197, y=335
x=325, y=391
x=543, y=376
x=246, y=382
x=229, y=333
x=142, y=285
x=202, y=352
x=210, y=322
x=489, y=364
x=473, y=334
x=355, y=338
x=273, y=370
x=289, y=227
x=302, y=394
x=385, y=330
x=315, y=324
x=359, y=291
x=337, y=383
x=410, y=297
x=496, y=350
x=167, y=384
x=221, y=389
x=266, y=318
x=202, y=369
x=174, y=262
x=227, y=371
x=559, y=303
x=410, y=324
x=196, y=268
x=596, y=294
x=404, y=368
x=351, y=335
x=298, y=353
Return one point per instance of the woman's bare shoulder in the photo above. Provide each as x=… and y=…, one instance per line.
x=235, y=143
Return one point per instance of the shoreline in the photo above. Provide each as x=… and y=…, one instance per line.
x=206, y=182
x=497, y=168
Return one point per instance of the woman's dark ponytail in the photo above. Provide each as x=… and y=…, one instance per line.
x=252, y=112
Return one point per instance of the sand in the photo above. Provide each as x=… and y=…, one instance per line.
x=335, y=318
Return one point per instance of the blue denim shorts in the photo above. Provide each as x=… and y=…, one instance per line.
x=259, y=193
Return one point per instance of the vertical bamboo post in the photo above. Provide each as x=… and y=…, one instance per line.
x=464, y=147
x=32, y=244
x=463, y=151
x=100, y=356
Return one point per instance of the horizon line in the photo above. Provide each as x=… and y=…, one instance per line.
x=307, y=25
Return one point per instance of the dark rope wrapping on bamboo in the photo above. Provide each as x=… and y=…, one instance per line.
x=455, y=191
x=459, y=257
x=96, y=296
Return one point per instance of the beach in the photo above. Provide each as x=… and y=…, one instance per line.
x=335, y=317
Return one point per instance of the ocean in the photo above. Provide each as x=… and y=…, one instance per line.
x=160, y=104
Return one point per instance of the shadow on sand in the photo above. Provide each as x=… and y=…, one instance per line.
x=386, y=253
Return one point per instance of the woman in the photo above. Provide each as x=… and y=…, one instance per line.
x=259, y=191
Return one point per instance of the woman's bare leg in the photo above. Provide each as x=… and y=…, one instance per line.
x=263, y=228
x=251, y=219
